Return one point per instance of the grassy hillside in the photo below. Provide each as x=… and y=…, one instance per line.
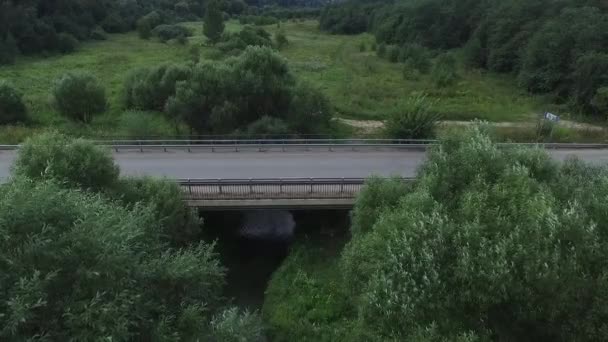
x=359, y=84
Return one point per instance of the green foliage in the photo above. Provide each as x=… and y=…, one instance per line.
x=600, y=101
x=168, y=32
x=150, y=88
x=179, y=224
x=12, y=108
x=320, y=310
x=137, y=124
x=195, y=53
x=214, y=22
x=415, y=56
x=98, y=34
x=257, y=20
x=444, y=72
x=505, y=235
x=248, y=36
x=362, y=47
x=415, y=119
x=79, y=267
x=66, y=43
x=146, y=23
x=79, y=96
x=74, y=162
x=280, y=39
x=8, y=50
x=268, y=126
x=256, y=83
x=310, y=111
x=590, y=74
x=393, y=54
x=231, y=325
x=381, y=52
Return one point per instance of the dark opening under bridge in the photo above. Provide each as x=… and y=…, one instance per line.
x=279, y=193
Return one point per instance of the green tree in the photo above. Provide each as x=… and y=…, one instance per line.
x=12, y=108
x=73, y=162
x=232, y=325
x=504, y=234
x=310, y=111
x=444, y=72
x=77, y=267
x=415, y=119
x=79, y=96
x=150, y=88
x=213, y=26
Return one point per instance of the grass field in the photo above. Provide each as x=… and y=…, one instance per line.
x=359, y=84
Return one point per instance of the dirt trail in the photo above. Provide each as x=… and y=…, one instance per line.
x=373, y=125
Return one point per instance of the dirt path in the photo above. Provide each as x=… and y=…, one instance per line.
x=368, y=126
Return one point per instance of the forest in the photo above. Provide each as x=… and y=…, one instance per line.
x=554, y=47
x=486, y=244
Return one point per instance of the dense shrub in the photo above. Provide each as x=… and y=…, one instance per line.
x=444, y=72
x=268, y=126
x=78, y=267
x=8, y=50
x=12, y=108
x=381, y=52
x=74, y=162
x=257, y=83
x=310, y=111
x=79, y=96
x=280, y=39
x=145, y=125
x=415, y=119
x=179, y=224
x=497, y=242
x=66, y=43
x=231, y=325
x=168, y=32
x=257, y=20
x=393, y=54
x=213, y=26
x=150, y=88
x=98, y=34
x=148, y=22
x=416, y=57
x=247, y=36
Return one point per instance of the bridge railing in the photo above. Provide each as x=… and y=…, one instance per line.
x=277, y=188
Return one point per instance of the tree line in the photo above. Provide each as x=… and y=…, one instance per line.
x=554, y=47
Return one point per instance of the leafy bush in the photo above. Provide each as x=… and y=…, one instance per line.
x=180, y=225
x=98, y=34
x=168, y=32
x=146, y=23
x=247, y=36
x=12, y=108
x=150, y=88
x=393, y=54
x=267, y=125
x=74, y=162
x=213, y=26
x=256, y=83
x=230, y=325
x=444, y=71
x=320, y=310
x=416, y=57
x=258, y=20
x=416, y=119
x=79, y=267
x=144, y=125
x=492, y=241
x=79, y=96
x=310, y=111
x=600, y=100
x=280, y=39
x=381, y=52
x=66, y=43
x=8, y=50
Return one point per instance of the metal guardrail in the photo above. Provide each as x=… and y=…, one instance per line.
x=278, y=188
x=263, y=145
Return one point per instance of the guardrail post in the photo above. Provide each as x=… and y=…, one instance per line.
x=342, y=186
x=311, y=185
x=219, y=182
x=283, y=145
x=250, y=186
x=281, y=186
x=236, y=146
x=141, y=148
x=189, y=187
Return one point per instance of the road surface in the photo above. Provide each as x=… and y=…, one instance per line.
x=317, y=164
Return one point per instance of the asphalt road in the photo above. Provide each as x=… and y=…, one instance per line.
x=315, y=164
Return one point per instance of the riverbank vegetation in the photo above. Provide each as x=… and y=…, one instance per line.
x=488, y=244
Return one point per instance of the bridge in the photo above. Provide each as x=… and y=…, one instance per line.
x=292, y=173
x=281, y=193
